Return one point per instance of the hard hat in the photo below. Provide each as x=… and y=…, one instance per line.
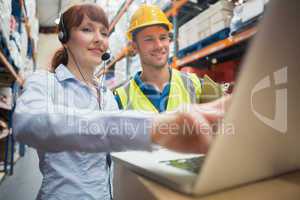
x=147, y=15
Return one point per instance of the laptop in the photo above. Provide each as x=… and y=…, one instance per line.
x=264, y=138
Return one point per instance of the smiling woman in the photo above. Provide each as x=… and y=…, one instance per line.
x=83, y=31
x=73, y=123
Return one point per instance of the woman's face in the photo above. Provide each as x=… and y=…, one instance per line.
x=88, y=42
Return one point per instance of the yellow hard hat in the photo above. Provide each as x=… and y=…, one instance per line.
x=147, y=15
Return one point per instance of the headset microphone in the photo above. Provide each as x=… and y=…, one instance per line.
x=105, y=56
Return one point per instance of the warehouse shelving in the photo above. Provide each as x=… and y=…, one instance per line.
x=10, y=78
x=180, y=12
x=185, y=10
x=6, y=63
x=122, y=54
x=121, y=12
x=172, y=11
x=11, y=69
x=28, y=30
x=215, y=47
x=175, y=7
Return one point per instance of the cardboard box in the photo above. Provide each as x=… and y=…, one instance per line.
x=217, y=17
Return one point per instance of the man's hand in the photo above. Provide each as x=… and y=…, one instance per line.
x=189, y=129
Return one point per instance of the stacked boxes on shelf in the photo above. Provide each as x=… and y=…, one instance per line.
x=6, y=26
x=216, y=18
x=5, y=29
x=5, y=10
x=32, y=20
x=15, y=38
x=19, y=42
x=245, y=13
x=18, y=36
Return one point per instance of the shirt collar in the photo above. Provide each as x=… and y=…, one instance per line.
x=139, y=81
x=63, y=73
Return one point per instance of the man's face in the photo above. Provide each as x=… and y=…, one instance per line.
x=152, y=43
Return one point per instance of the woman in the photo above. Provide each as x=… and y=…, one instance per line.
x=72, y=124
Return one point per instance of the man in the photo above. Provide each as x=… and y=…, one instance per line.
x=157, y=87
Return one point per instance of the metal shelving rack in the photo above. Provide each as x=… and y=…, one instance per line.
x=9, y=140
x=11, y=69
x=121, y=12
x=125, y=51
x=10, y=77
x=173, y=12
x=179, y=11
x=215, y=47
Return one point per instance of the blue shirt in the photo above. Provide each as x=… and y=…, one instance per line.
x=59, y=116
x=157, y=98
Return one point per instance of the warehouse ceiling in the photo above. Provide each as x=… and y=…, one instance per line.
x=49, y=10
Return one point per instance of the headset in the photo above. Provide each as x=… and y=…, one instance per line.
x=63, y=35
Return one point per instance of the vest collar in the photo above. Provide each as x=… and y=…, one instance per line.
x=142, y=85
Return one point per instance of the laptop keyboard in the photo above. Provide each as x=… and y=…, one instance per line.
x=190, y=164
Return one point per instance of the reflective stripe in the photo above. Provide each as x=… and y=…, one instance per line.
x=123, y=92
x=179, y=93
x=127, y=106
x=189, y=86
x=198, y=86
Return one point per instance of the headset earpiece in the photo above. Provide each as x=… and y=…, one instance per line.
x=62, y=34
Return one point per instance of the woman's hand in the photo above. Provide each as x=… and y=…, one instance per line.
x=190, y=128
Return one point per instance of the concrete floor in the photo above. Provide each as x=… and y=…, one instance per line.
x=26, y=180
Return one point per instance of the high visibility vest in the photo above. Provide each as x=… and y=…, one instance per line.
x=184, y=88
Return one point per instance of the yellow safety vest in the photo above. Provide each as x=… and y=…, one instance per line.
x=184, y=88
